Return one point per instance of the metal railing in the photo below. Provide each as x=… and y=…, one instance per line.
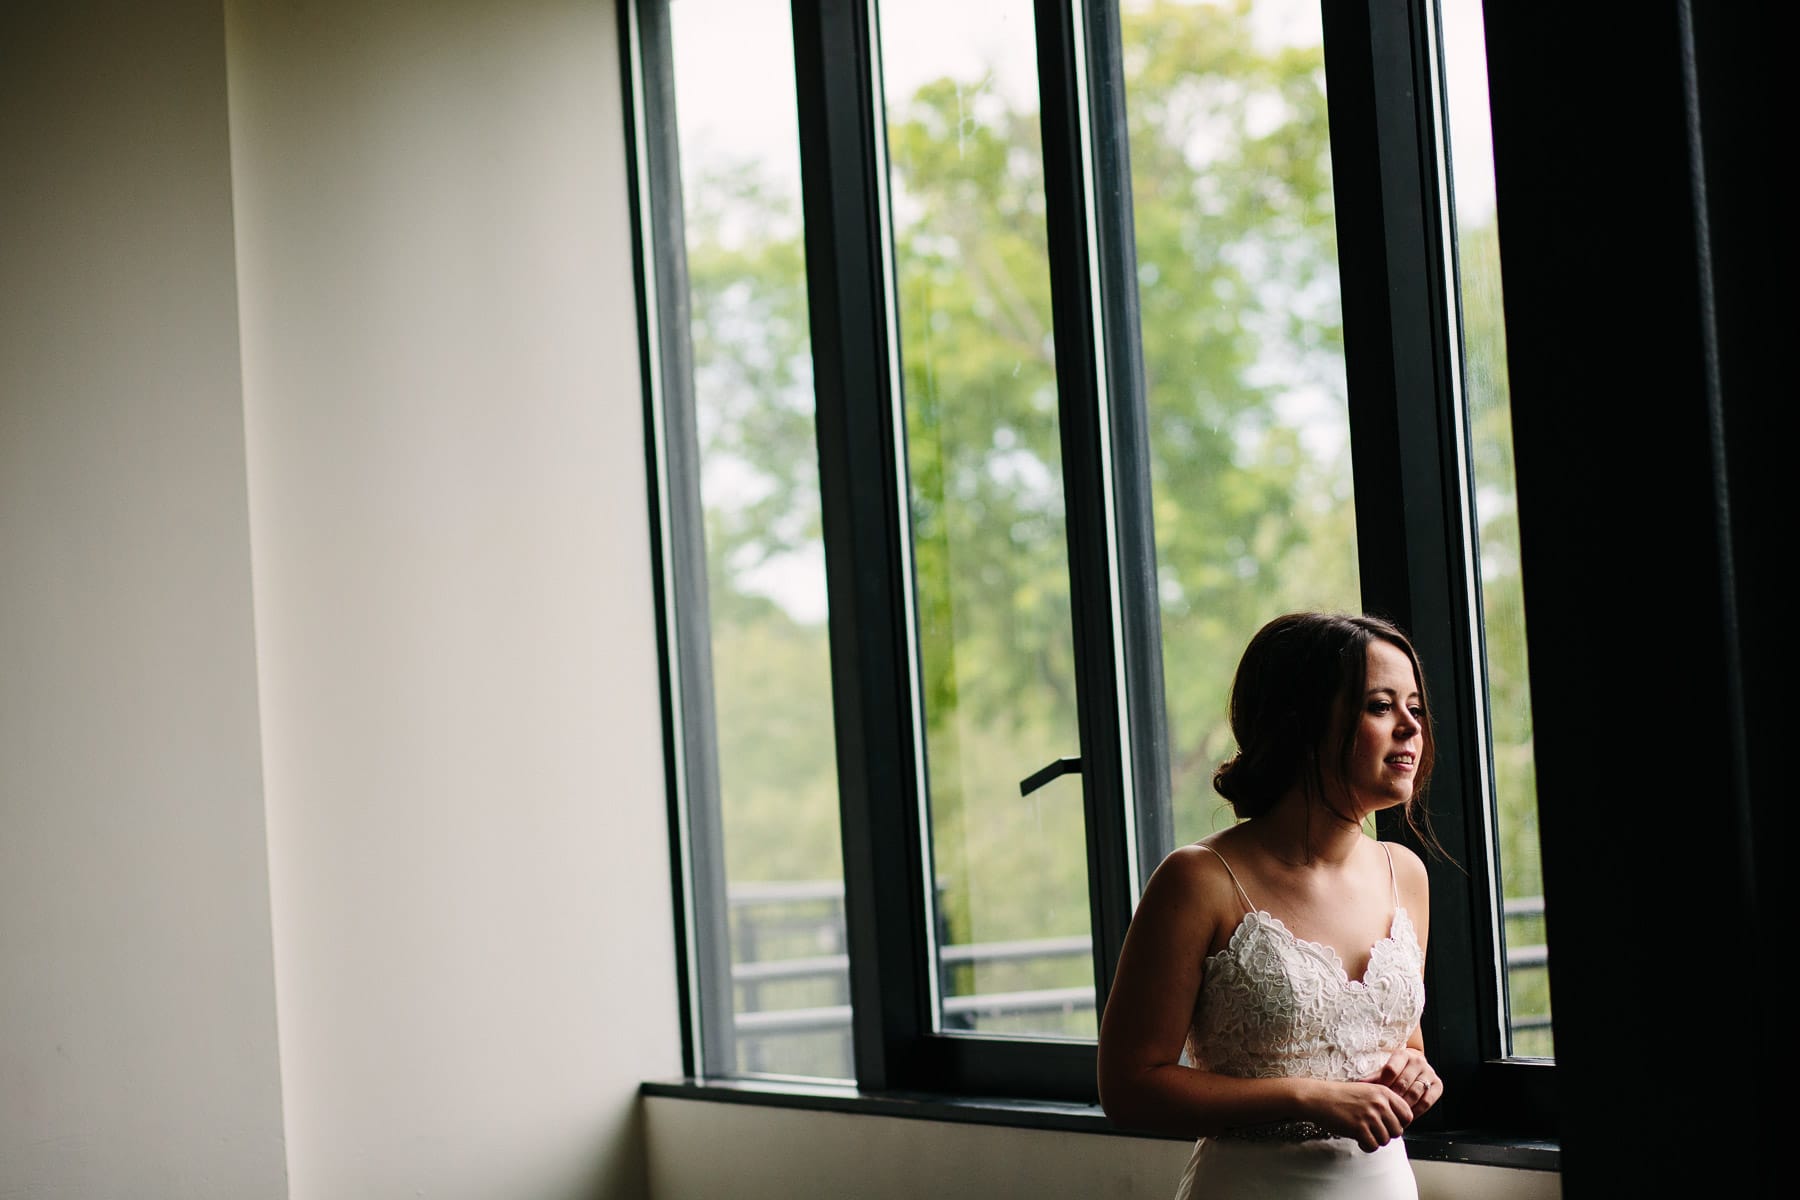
x=769, y=920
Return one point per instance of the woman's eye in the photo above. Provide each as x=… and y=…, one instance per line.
x=1380, y=707
x=1418, y=713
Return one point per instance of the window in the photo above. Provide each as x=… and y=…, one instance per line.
x=991, y=417
x=744, y=560
x=1243, y=335
x=1496, y=532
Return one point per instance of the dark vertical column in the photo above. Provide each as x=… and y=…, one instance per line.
x=1134, y=526
x=1736, y=85
x=865, y=558
x=1086, y=492
x=1626, y=144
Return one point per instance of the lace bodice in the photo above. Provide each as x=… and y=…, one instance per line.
x=1272, y=1004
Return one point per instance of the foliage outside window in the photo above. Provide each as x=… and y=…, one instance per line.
x=1242, y=343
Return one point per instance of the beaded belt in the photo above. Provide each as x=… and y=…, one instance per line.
x=1278, y=1131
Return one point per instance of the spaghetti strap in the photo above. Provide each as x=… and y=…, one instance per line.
x=1245, y=896
x=1392, y=877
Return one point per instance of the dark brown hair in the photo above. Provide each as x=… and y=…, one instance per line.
x=1297, y=673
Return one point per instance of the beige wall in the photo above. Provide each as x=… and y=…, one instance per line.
x=381, y=563
x=137, y=1017
x=746, y=1152
x=472, y=929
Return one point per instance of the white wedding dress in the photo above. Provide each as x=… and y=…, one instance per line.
x=1273, y=1005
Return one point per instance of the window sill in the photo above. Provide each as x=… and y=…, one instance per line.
x=1473, y=1147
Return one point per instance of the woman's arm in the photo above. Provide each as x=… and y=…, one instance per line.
x=1143, y=1084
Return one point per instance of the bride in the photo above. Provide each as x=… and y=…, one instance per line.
x=1268, y=996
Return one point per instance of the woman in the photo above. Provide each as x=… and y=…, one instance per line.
x=1285, y=954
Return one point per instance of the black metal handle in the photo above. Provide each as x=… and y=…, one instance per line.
x=1036, y=780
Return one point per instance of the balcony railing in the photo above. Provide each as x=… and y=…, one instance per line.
x=791, y=975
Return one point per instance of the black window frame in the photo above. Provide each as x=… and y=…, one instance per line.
x=1407, y=431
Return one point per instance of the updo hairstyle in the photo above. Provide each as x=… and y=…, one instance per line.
x=1297, y=673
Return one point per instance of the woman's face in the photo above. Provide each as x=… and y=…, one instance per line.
x=1388, y=732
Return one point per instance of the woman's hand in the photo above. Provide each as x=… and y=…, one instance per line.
x=1409, y=1076
x=1374, y=1114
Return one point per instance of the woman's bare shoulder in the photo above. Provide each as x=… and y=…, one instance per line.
x=1407, y=863
x=1193, y=877
x=1409, y=871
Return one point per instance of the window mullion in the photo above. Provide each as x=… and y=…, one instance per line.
x=1081, y=406
x=1407, y=446
x=865, y=534
x=1139, y=629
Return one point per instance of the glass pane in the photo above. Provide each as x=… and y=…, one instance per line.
x=765, y=561
x=1243, y=348
x=1496, y=512
x=985, y=484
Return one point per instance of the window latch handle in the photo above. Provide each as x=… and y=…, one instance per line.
x=1056, y=769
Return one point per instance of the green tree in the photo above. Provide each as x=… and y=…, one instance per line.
x=1236, y=252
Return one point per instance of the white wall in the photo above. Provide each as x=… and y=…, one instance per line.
x=472, y=930
x=137, y=1018
x=381, y=564
x=698, y=1148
